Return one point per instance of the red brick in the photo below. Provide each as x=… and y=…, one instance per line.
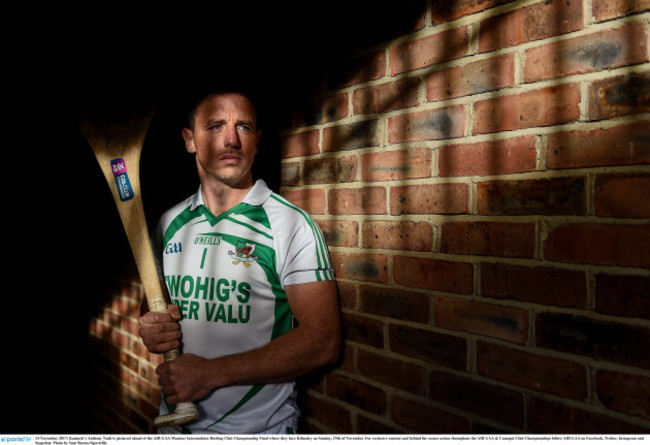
x=607, y=49
x=447, y=10
x=538, y=372
x=539, y=285
x=128, y=362
x=619, y=96
x=138, y=348
x=538, y=21
x=429, y=199
x=111, y=317
x=357, y=201
x=131, y=291
x=426, y=419
x=426, y=51
x=624, y=145
x=300, y=144
x=616, y=342
x=330, y=170
x=492, y=320
x=347, y=294
x=335, y=107
x=605, y=244
x=393, y=372
x=123, y=306
x=547, y=106
x=366, y=425
x=396, y=165
x=329, y=414
x=621, y=195
x=311, y=200
x=394, y=303
x=427, y=273
x=607, y=9
x=400, y=235
x=118, y=339
x=290, y=174
x=430, y=346
x=623, y=295
x=388, y=96
x=547, y=417
x=363, y=330
x=321, y=110
x=547, y=19
x=465, y=393
x=308, y=112
x=361, y=267
x=500, y=239
x=353, y=392
x=340, y=233
x=130, y=326
x=555, y=196
x=624, y=392
x=150, y=410
x=347, y=361
x=514, y=155
x=474, y=78
x=351, y=136
x=148, y=373
x=436, y=124
x=358, y=70
x=501, y=31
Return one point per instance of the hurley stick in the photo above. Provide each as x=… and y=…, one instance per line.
x=116, y=138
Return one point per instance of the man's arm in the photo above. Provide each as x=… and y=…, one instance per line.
x=315, y=342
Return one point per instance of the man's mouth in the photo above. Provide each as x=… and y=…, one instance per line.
x=230, y=159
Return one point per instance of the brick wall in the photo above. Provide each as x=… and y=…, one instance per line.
x=482, y=179
x=123, y=392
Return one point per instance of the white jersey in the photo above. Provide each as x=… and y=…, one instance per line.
x=227, y=274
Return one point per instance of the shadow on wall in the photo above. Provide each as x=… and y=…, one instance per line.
x=463, y=161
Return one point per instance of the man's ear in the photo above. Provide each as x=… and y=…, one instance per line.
x=188, y=137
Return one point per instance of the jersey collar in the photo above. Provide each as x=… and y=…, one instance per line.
x=255, y=196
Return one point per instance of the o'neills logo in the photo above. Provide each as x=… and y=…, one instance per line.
x=207, y=239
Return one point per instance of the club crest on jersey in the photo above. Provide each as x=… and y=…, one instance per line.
x=243, y=253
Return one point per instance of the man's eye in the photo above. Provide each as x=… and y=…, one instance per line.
x=245, y=127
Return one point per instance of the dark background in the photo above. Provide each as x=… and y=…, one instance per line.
x=63, y=236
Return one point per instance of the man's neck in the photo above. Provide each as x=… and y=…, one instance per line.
x=219, y=197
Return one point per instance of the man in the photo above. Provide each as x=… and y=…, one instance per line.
x=241, y=264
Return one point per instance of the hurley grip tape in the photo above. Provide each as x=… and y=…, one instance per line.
x=124, y=189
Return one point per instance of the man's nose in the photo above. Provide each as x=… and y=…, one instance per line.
x=232, y=137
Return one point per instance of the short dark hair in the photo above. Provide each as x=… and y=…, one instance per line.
x=199, y=96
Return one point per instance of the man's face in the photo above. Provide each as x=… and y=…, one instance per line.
x=224, y=138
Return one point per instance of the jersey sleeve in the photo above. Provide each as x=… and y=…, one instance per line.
x=307, y=256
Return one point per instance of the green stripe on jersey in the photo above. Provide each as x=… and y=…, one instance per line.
x=324, y=262
x=248, y=226
x=255, y=213
x=283, y=315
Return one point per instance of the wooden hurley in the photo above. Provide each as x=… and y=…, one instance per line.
x=116, y=137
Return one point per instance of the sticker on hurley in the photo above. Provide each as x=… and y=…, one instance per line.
x=124, y=189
